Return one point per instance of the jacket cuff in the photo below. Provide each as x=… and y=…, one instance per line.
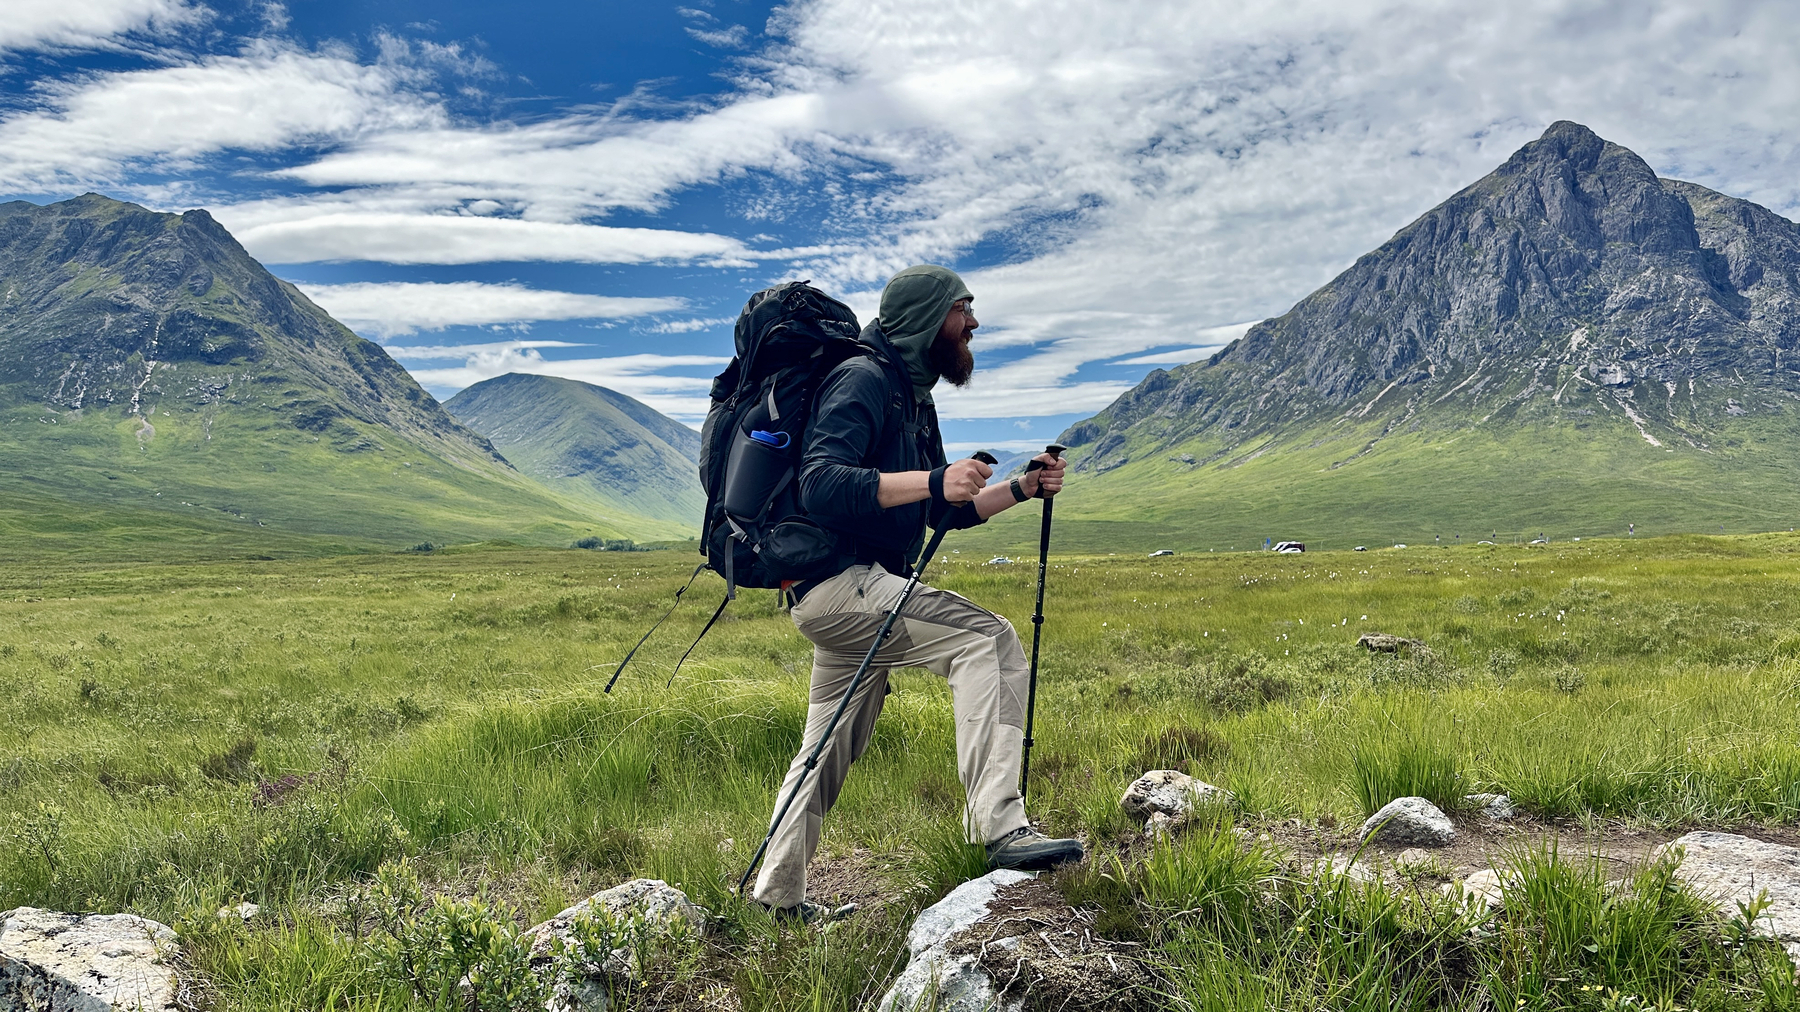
x=936, y=484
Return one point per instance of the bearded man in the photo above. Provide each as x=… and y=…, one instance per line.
x=873, y=472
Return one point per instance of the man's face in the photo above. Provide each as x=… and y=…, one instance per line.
x=950, y=354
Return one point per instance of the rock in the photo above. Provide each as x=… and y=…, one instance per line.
x=51, y=962
x=656, y=903
x=243, y=912
x=1729, y=869
x=1386, y=643
x=1172, y=793
x=1494, y=807
x=1340, y=866
x=961, y=985
x=1415, y=859
x=1406, y=822
x=1161, y=824
x=1486, y=887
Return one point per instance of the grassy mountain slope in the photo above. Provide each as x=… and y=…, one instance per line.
x=1568, y=345
x=589, y=442
x=147, y=362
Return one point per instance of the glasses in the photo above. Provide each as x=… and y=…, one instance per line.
x=966, y=308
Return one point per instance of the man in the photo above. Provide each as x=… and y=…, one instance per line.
x=873, y=472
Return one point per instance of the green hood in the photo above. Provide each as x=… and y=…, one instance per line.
x=913, y=307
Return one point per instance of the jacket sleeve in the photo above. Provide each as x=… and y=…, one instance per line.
x=955, y=517
x=834, y=482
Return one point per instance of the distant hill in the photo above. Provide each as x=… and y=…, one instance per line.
x=148, y=362
x=1570, y=344
x=589, y=442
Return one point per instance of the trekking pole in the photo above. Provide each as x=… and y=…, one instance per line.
x=1037, y=621
x=887, y=626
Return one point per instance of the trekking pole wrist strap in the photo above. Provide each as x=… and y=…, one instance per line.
x=936, y=484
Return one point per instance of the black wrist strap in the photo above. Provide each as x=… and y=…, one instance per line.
x=1018, y=491
x=936, y=483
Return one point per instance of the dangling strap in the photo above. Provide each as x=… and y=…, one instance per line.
x=720, y=610
x=666, y=614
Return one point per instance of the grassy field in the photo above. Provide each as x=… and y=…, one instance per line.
x=341, y=738
x=1341, y=483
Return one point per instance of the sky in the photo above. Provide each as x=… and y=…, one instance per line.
x=592, y=189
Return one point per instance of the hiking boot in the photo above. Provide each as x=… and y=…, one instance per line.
x=810, y=913
x=1026, y=849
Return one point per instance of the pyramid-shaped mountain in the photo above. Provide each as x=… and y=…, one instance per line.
x=1569, y=345
x=589, y=442
x=148, y=362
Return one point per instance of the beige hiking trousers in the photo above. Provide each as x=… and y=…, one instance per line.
x=976, y=650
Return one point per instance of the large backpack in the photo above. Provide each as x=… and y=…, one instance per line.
x=755, y=533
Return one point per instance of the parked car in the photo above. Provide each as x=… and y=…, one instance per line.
x=1290, y=547
x=999, y=560
x=1360, y=548
x=1160, y=552
x=1399, y=546
x=1484, y=542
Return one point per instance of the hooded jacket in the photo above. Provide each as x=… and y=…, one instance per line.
x=913, y=307
x=869, y=420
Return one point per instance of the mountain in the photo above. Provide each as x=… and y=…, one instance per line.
x=1569, y=345
x=589, y=442
x=148, y=362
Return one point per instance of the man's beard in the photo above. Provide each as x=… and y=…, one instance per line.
x=952, y=360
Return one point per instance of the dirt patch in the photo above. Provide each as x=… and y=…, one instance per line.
x=1479, y=843
x=860, y=876
x=1039, y=949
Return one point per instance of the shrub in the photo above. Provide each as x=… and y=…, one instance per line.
x=1236, y=683
x=423, y=546
x=1570, y=679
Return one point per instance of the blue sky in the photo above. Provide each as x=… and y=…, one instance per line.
x=592, y=189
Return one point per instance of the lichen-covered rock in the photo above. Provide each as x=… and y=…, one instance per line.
x=1172, y=793
x=934, y=978
x=51, y=962
x=652, y=904
x=1729, y=869
x=1339, y=866
x=1409, y=822
x=1386, y=643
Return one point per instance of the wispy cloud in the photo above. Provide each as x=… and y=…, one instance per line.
x=391, y=309
x=34, y=24
x=402, y=238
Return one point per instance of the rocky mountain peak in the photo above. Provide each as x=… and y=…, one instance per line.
x=1572, y=272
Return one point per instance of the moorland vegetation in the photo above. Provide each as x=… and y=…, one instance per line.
x=403, y=758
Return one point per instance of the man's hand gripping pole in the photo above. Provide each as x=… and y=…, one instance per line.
x=887, y=626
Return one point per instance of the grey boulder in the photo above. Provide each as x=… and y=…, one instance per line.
x=934, y=977
x=51, y=962
x=1408, y=822
x=1172, y=794
x=1729, y=869
x=1494, y=807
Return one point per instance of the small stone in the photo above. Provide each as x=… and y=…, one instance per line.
x=1413, y=857
x=85, y=963
x=1339, y=866
x=1729, y=869
x=1494, y=807
x=1408, y=822
x=243, y=911
x=1160, y=825
x=1172, y=793
x=1486, y=887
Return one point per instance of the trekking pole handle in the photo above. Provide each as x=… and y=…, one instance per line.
x=985, y=457
x=1055, y=450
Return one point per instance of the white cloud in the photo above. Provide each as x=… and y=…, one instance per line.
x=32, y=24
x=390, y=309
x=448, y=352
x=638, y=376
x=1218, y=337
x=405, y=238
x=94, y=128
